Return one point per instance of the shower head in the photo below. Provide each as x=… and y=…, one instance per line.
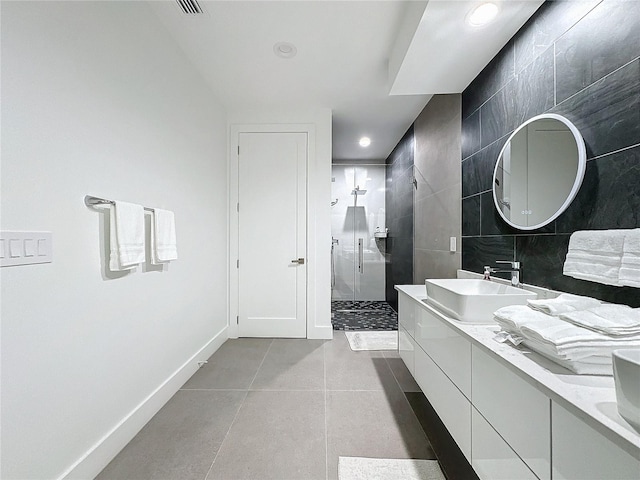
x=357, y=191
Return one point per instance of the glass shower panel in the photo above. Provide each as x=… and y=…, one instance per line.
x=357, y=256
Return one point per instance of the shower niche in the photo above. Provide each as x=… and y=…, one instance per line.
x=357, y=254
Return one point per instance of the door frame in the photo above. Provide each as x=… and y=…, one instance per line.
x=233, y=219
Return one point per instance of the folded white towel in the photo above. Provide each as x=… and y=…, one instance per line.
x=630, y=264
x=595, y=255
x=566, y=337
x=127, y=236
x=513, y=317
x=163, y=237
x=586, y=366
x=615, y=320
x=563, y=303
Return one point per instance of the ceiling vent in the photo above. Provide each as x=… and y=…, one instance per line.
x=190, y=7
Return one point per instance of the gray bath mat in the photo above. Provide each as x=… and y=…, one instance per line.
x=372, y=340
x=358, y=468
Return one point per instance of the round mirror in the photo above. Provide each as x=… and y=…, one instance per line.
x=539, y=171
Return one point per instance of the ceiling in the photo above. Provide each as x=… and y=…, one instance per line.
x=375, y=64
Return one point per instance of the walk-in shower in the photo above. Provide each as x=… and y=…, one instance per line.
x=357, y=255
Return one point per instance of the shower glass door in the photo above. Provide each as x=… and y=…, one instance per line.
x=357, y=255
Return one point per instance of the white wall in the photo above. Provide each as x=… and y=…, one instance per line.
x=97, y=99
x=317, y=121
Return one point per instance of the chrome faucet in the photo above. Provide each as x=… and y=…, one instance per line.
x=514, y=270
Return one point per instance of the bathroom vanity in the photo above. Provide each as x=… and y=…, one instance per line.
x=514, y=414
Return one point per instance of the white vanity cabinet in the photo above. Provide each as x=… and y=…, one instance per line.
x=512, y=418
x=582, y=453
x=516, y=410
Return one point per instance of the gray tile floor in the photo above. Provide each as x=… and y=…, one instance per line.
x=278, y=409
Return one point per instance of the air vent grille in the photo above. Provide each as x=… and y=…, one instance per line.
x=190, y=7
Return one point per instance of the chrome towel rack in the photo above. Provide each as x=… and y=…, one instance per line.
x=91, y=201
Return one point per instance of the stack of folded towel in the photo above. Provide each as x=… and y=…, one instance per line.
x=580, y=340
x=611, y=257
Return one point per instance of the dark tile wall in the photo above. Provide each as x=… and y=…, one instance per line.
x=399, y=217
x=580, y=60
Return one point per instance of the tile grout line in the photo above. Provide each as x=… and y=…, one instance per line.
x=237, y=413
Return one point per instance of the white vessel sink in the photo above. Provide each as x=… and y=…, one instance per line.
x=473, y=300
x=626, y=373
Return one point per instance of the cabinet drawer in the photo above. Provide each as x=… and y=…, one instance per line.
x=406, y=349
x=581, y=453
x=407, y=310
x=451, y=405
x=516, y=410
x=447, y=348
x=491, y=456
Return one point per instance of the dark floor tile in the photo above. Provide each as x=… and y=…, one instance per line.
x=607, y=38
x=180, y=441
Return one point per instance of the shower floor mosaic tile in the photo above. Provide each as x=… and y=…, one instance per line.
x=363, y=315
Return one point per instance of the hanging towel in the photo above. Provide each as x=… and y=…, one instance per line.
x=127, y=236
x=630, y=265
x=614, y=320
x=595, y=255
x=564, y=303
x=163, y=237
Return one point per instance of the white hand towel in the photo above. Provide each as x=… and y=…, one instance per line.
x=126, y=236
x=565, y=302
x=595, y=255
x=163, y=237
x=514, y=317
x=614, y=320
x=630, y=264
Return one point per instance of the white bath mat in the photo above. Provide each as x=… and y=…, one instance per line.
x=358, y=468
x=372, y=340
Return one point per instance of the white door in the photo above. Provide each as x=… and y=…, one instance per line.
x=272, y=222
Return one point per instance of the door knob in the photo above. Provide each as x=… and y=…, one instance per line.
x=299, y=261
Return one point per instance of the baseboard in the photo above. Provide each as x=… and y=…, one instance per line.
x=320, y=333
x=100, y=454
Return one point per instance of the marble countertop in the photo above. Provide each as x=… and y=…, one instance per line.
x=591, y=398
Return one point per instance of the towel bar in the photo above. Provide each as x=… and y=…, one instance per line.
x=91, y=201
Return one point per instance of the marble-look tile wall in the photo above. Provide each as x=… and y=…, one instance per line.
x=580, y=60
x=399, y=217
x=438, y=184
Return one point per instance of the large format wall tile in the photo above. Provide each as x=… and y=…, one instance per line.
x=527, y=95
x=437, y=219
x=435, y=264
x=607, y=113
x=471, y=134
x=492, y=78
x=550, y=21
x=584, y=58
x=609, y=196
x=606, y=39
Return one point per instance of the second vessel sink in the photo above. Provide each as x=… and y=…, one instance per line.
x=473, y=300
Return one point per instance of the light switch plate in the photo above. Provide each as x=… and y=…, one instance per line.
x=452, y=244
x=25, y=248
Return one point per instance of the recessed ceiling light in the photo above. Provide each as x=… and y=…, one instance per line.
x=365, y=142
x=285, y=50
x=482, y=14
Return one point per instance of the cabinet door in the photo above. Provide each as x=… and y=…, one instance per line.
x=406, y=348
x=519, y=412
x=491, y=456
x=407, y=311
x=581, y=453
x=450, y=404
x=446, y=347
